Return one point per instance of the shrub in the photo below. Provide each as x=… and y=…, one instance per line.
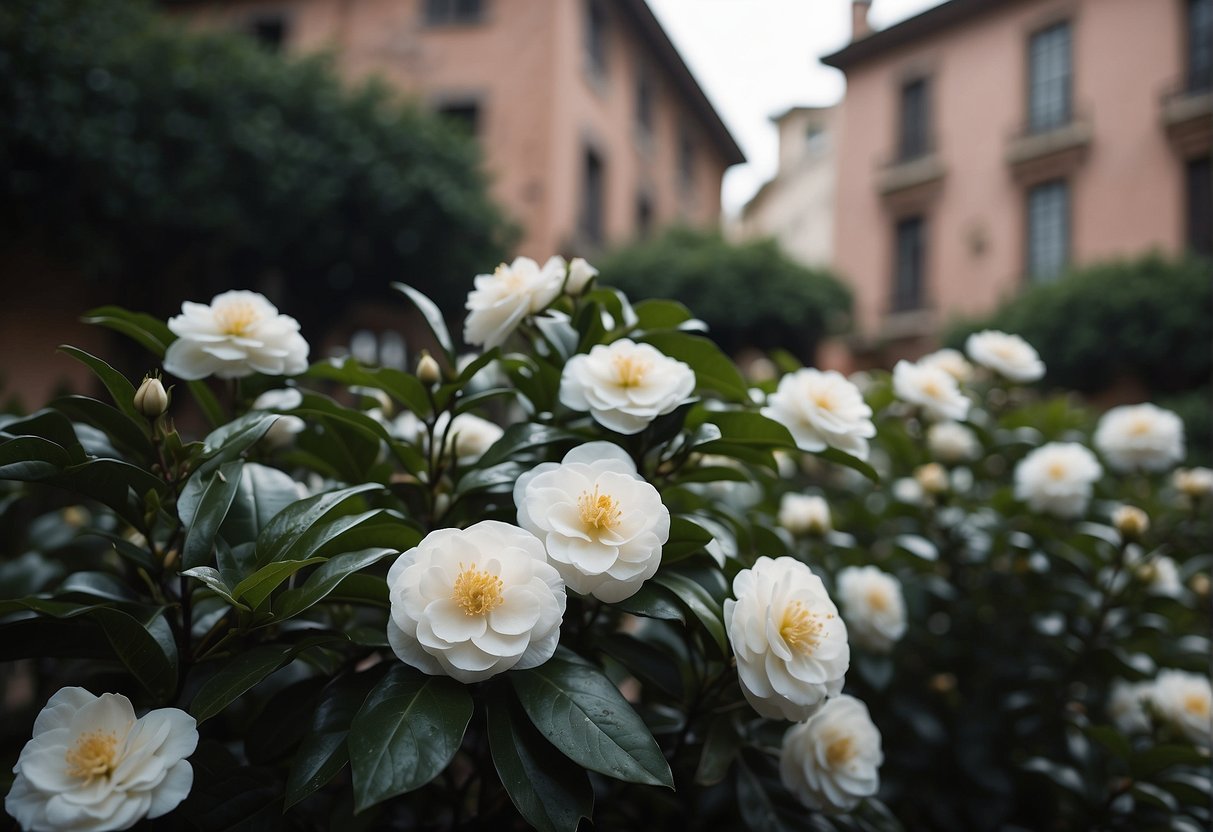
x=150, y=155
x=749, y=294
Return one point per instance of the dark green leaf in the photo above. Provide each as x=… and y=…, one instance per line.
x=120, y=388
x=713, y=369
x=432, y=315
x=254, y=589
x=551, y=795
x=846, y=460
x=126, y=432
x=405, y=734
x=281, y=537
x=582, y=713
x=152, y=333
x=701, y=604
x=203, y=523
x=237, y=677
x=325, y=579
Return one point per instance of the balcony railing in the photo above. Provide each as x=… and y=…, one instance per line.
x=1062, y=143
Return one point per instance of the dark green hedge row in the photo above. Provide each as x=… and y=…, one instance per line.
x=750, y=294
x=147, y=153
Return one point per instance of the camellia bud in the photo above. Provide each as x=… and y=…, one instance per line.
x=427, y=369
x=933, y=478
x=151, y=399
x=1194, y=482
x=1130, y=521
x=580, y=275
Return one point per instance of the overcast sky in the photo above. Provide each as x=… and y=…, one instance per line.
x=756, y=58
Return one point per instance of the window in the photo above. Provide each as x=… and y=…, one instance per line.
x=644, y=102
x=447, y=12
x=465, y=114
x=596, y=37
x=1200, y=45
x=914, y=140
x=1049, y=76
x=1200, y=205
x=1048, y=230
x=815, y=138
x=269, y=30
x=593, y=197
x=686, y=161
x=644, y=215
x=908, y=278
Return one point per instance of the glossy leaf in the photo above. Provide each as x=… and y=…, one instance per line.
x=204, y=521
x=583, y=714
x=405, y=734
x=433, y=316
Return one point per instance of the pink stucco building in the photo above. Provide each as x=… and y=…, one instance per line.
x=990, y=143
x=593, y=129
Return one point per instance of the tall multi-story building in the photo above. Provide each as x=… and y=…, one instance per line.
x=796, y=206
x=593, y=128
x=989, y=144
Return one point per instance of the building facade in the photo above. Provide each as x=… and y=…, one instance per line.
x=796, y=207
x=989, y=144
x=593, y=129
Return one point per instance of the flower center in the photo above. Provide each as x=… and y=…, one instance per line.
x=477, y=592
x=630, y=370
x=1056, y=471
x=599, y=511
x=1196, y=704
x=801, y=630
x=95, y=754
x=823, y=399
x=840, y=751
x=932, y=388
x=512, y=279
x=237, y=318
x=1140, y=427
x=878, y=599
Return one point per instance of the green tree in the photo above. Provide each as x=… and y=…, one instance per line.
x=150, y=155
x=750, y=294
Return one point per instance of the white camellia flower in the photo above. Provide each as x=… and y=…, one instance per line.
x=469, y=435
x=238, y=334
x=501, y=300
x=805, y=514
x=822, y=409
x=625, y=385
x=472, y=603
x=1140, y=437
x=284, y=429
x=790, y=643
x=930, y=388
x=1057, y=478
x=873, y=607
x=951, y=362
x=580, y=275
x=952, y=443
x=832, y=761
x=1193, y=483
x=907, y=490
x=92, y=766
x=1161, y=577
x=1008, y=355
x=603, y=526
x=1185, y=702
x=1125, y=706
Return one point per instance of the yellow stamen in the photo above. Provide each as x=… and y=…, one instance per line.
x=801, y=630
x=1056, y=471
x=840, y=751
x=931, y=388
x=237, y=318
x=599, y=512
x=95, y=754
x=823, y=399
x=1140, y=427
x=477, y=592
x=878, y=599
x=1196, y=704
x=630, y=370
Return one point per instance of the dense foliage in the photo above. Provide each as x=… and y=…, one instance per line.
x=149, y=155
x=1146, y=320
x=749, y=294
x=996, y=594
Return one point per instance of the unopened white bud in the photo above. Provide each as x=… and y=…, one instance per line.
x=151, y=399
x=1130, y=521
x=427, y=369
x=932, y=477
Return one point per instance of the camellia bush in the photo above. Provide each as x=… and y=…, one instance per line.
x=587, y=576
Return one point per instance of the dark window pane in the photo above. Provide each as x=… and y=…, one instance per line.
x=596, y=36
x=1049, y=74
x=1048, y=230
x=465, y=113
x=644, y=216
x=914, y=140
x=1200, y=45
x=908, y=278
x=686, y=161
x=644, y=102
x=270, y=31
x=440, y=12
x=592, y=197
x=1200, y=206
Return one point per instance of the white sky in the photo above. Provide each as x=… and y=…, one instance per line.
x=756, y=58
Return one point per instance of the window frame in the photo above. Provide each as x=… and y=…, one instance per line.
x=592, y=211
x=440, y=13
x=1040, y=118
x=1032, y=253
x=914, y=144
x=913, y=299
